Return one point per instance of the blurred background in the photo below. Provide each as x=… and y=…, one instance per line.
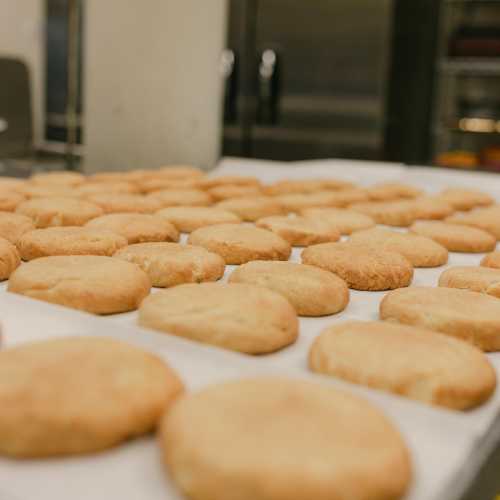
x=117, y=84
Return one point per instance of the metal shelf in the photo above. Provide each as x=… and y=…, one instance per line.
x=471, y=65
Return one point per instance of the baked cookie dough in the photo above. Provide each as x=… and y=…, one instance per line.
x=137, y=228
x=69, y=241
x=96, y=284
x=150, y=185
x=13, y=226
x=413, y=362
x=252, y=208
x=487, y=219
x=187, y=219
x=361, y=266
x=9, y=200
x=311, y=291
x=11, y=183
x=346, y=221
x=47, y=191
x=419, y=250
x=240, y=317
x=432, y=208
x=298, y=186
x=454, y=237
x=300, y=231
x=391, y=213
x=9, y=259
x=171, y=264
x=48, y=212
x=477, y=279
x=181, y=172
x=91, y=188
x=181, y=197
x=284, y=439
x=388, y=191
x=470, y=316
x=120, y=203
x=78, y=395
x=229, y=180
x=300, y=201
x=59, y=178
x=491, y=260
x=465, y=199
x=238, y=244
x=227, y=192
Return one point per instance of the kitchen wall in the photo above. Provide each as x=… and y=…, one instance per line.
x=152, y=90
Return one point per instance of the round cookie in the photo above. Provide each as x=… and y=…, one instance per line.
x=311, y=291
x=228, y=191
x=432, y=208
x=346, y=221
x=413, y=362
x=181, y=172
x=252, y=208
x=136, y=228
x=477, y=279
x=491, y=260
x=188, y=219
x=69, y=241
x=48, y=212
x=465, y=198
x=181, y=197
x=13, y=226
x=454, y=237
x=419, y=250
x=105, y=177
x=238, y=244
x=9, y=200
x=47, y=191
x=361, y=266
x=94, y=393
x=300, y=231
x=11, y=183
x=229, y=180
x=91, y=188
x=388, y=191
x=299, y=186
x=59, y=178
x=120, y=203
x=284, y=439
x=240, y=317
x=9, y=259
x=150, y=185
x=300, y=201
x=171, y=264
x=487, y=219
x=96, y=284
x=470, y=316
x=391, y=213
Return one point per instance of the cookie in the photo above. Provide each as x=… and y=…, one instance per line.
x=9, y=259
x=150, y=185
x=454, y=237
x=346, y=221
x=105, y=177
x=9, y=200
x=299, y=186
x=300, y=231
x=301, y=201
x=11, y=183
x=470, y=316
x=226, y=192
x=13, y=226
x=311, y=291
x=59, y=178
x=419, y=250
x=171, y=264
x=91, y=188
x=136, y=228
x=413, y=362
x=284, y=439
x=253, y=207
x=187, y=219
x=465, y=198
x=236, y=316
x=69, y=241
x=229, y=180
x=487, y=219
x=491, y=260
x=96, y=284
x=95, y=392
x=48, y=212
x=238, y=244
x=361, y=266
x=432, y=208
x=388, y=191
x=181, y=197
x=391, y=213
x=477, y=279
x=47, y=191
x=181, y=172
x=120, y=203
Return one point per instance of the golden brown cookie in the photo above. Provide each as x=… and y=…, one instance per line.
x=95, y=392
x=454, y=237
x=181, y=197
x=470, y=316
x=187, y=219
x=300, y=231
x=299, y=186
x=253, y=207
x=69, y=240
x=171, y=264
x=118, y=176
x=11, y=183
x=13, y=226
x=491, y=260
x=47, y=191
x=91, y=188
x=238, y=244
x=487, y=219
x=311, y=291
x=229, y=180
x=300, y=201
x=136, y=228
x=150, y=185
x=478, y=279
x=391, y=213
x=388, y=191
x=121, y=203
x=419, y=250
x=48, y=212
x=465, y=198
x=432, y=208
x=413, y=362
x=9, y=259
x=175, y=171
x=240, y=317
x=345, y=220
x=9, y=200
x=226, y=192
x=361, y=266
x=59, y=178
x=285, y=439
x=96, y=284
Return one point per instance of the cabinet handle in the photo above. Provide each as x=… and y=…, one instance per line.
x=268, y=87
